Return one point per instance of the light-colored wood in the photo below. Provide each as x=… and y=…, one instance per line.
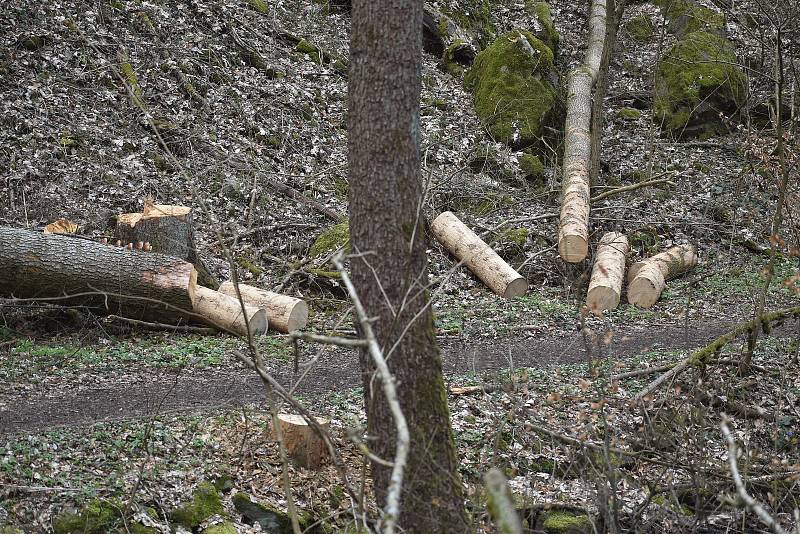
x=303, y=445
x=673, y=262
x=79, y=271
x=225, y=313
x=573, y=232
x=646, y=287
x=608, y=273
x=647, y=278
x=61, y=226
x=479, y=257
x=284, y=313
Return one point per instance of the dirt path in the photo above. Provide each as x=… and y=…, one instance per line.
x=151, y=392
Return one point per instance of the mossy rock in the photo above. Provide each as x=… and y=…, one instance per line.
x=688, y=16
x=226, y=527
x=514, y=85
x=629, y=114
x=205, y=503
x=532, y=167
x=698, y=79
x=563, y=522
x=97, y=517
x=639, y=28
x=543, y=27
x=455, y=57
x=270, y=519
x=474, y=16
x=309, y=49
x=8, y=529
x=334, y=237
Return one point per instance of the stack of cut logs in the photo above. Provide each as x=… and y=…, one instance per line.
x=646, y=278
x=162, y=285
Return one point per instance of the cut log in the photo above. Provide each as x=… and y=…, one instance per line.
x=284, y=314
x=225, y=313
x=647, y=279
x=304, y=446
x=126, y=282
x=479, y=257
x=673, y=262
x=573, y=233
x=169, y=230
x=608, y=273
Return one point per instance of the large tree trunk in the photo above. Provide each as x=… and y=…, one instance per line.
x=385, y=219
x=127, y=282
x=573, y=236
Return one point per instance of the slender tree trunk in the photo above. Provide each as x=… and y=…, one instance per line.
x=390, y=270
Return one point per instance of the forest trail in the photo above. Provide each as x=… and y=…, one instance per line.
x=152, y=392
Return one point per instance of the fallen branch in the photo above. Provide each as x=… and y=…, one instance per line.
x=469, y=390
x=329, y=340
x=633, y=187
x=752, y=504
x=703, y=356
x=159, y=327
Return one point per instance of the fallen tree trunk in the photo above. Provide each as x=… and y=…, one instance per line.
x=648, y=278
x=224, y=312
x=169, y=230
x=284, y=313
x=573, y=235
x=479, y=257
x=78, y=271
x=608, y=273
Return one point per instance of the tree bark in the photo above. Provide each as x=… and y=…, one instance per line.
x=285, y=314
x=127, y=282
x=573, y=237
x=304, y=446
x=390, y=271
x=608, y=273
x=224, y=312
x=479, y=257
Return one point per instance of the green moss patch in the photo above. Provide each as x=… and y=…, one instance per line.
x=698, y=78
x=270, y=519
x=205, y=503
x=97, y=517
x=543, y=27
x=226, y=527
x=532, y=167
x=331, y=239
x=514, y=96
x=562, y=522
x=258, y=5
x=687, y=16
x=639, y=28
x=629, y=114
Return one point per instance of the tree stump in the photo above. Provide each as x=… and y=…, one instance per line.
x=303, y=445
x=284, y=313
x=169, y=230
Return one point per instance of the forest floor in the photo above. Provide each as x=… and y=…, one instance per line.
x=90, y=410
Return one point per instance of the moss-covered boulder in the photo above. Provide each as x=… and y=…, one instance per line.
x=629, y=114
x=515, y=88
x=688, y=16
x=542, y=23
x=639, y=28
x=334, y=237
x=205, y=503
x=564, y=522
x=698, y=78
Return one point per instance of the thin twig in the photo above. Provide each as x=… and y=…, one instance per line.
x=752, y=504
x=329, y=340
x=632, y=187
x=186, y=329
